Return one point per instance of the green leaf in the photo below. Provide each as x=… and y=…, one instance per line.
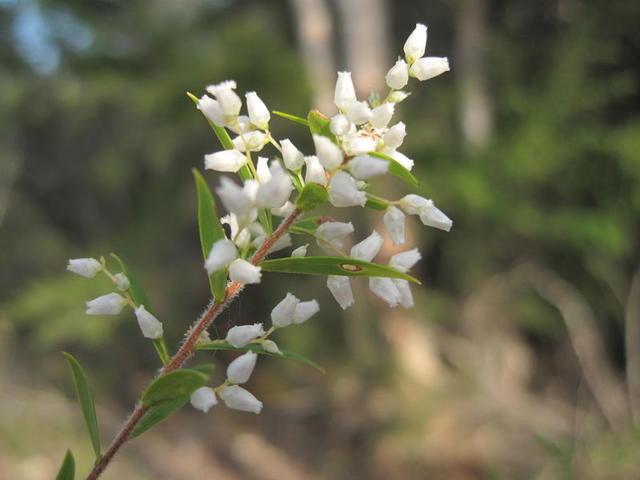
x=396, y=168
x=305, y=227
x=210, y=232
x=172, y=386
x=86, y=401
x=319, y=124
x=257, y=348
x=68, y=468
x=206, y=368
x=313, y=195
x=157, y=414
x=293, y=118
x=333, y=266
x=376, y=204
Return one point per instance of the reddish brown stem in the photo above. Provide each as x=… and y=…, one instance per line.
x=186, y=349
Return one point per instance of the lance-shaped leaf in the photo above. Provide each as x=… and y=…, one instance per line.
x=293, y=118
x=172, y=386
x=210, y=232
x=68, y=468
x=396, y=168
x=157, y=414
x=319, y=124
x=333, y=266
x=257, y=348
x=85, y=398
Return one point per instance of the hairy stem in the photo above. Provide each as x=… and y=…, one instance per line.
x=186, y=349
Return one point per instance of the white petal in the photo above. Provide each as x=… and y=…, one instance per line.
x=359, y=112
x=150, y=326
x=340, y=288
x=434, y=217
x=328, y=153
x=230, y=103
x=315, y=172
x=368, y=248
x=381, y=115
x=253, y=141
x=109, y=304
x=285, y=210
x=366, y=166
x=234, y=198
x=345, y=93
x=258, y=111
x=412, y=203
x=398, y=75
x=404, y=261
x=340, y=125
x=86, y=267
x=292, y=157
x=330, y=231
x=203, y=399
x=241, y=368
x=300, y=251
x=416, y=44
x=275, y=192
x=211, y=109
x=225, y=161
x=244, y=272
x=282, y=314
x=222, y=253
x=271, y=346
x=238, y=398
x=343, y=191
x=357, y=145
x=406, y=297
x=241, y=335
x=429, y=67
x=394, y=137
x=122, y=282
x=305, y=310
x=385, y=289
x=394, y=221
x=262, y=170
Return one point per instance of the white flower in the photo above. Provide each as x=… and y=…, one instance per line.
x=416, y=44
x=404, y=261
x=314, y=172
x=235, y=199
x=276, y=191
x=398, y=96
x=222, y=253
x=345, y=93
x=150, y=326
x=327, y=152
x=242, y=125
x=253, y=141
x=365, y=166
x=262, y=170
x=285, y=210
x=367, y=248
x=241, y=368
x=305, y=310
x=359, y=112
x=229, y=102
x=203, y=399
x=301, y=251
x=238, y=398
x=282, y=314
x=357, y=145
x=394, y=137
x=385, y=289
x=412, y=203
x=109, y=304
x=402, y=159
x=381, y=115
x=343, y=191
x=340, y=288
x=292, y=157
x=211, y=109
x=394, y=221
x=429, y=67
x=434, y=217
x=122, y=281
x=340, y=125
x=406, y=297
x=271, y=346
x=240, y=335
x=225, y=161
x=258, y=111
x=398, y=75
x=86, y=267
x=244, y=272
x=333, y=233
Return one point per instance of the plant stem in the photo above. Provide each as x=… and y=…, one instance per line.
x=186, y=349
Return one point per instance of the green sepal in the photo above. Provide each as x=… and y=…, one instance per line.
x=312, y=196
x=68, y=468
x=319, y=124
x=376, y=203
x=293, y=118
x=173, y=385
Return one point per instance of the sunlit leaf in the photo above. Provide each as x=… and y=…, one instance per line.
x=312, y=196
x=85, y=398
x=396, y=168
x=157, y=414
x=293, y=118
x=172, y=386
x=68, y=468
x=319, y=124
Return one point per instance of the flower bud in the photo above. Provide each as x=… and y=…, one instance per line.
x=385, y=289
x=292, y=157
x=203, y=399
x=211, y=109
x=241, y=335
x=340, y=288
x=429, y=67
x=86, y=267
x=276, y=191
x=365, y=166
x=244, y=272
x=343, y=191
x=314, y=172
x=416, y=44
x=328, y=152
x=340, y=125
x=271, y=347
x=394, y=137
x=345, y=93
x=333, y=232
x=357, y=145
x=398, y=75
x=109, y=304
x=229, y=102
x=241, y=368
x=305, y=310
x=300, y=251
x=149, y=324
x=122, y=281
x=406, y=297
x=359, y=112
x=238, y=398
x=394, y=221
x=258, y=111
x=253, y=141
x=381, y=115
x=225, y=161
x=282, y=314
x=412, y=203
x=262, y=170
x=434, y=217
x=285, y=210
x=398, y=96
x=404, y=261
x=234, y=198
x=367, y=248
x=222, y=253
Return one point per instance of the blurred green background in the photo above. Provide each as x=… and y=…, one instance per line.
x=521, y=359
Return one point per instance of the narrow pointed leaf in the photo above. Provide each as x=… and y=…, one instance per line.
x=349, y=267
x=293, y=118
x=210, y=232
x=172, y=386
x=157, y=414
x=68, y=468
x=396, y=168
x=319, y=124
x=257, y=348
x=85, y=398
x=306, y=226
